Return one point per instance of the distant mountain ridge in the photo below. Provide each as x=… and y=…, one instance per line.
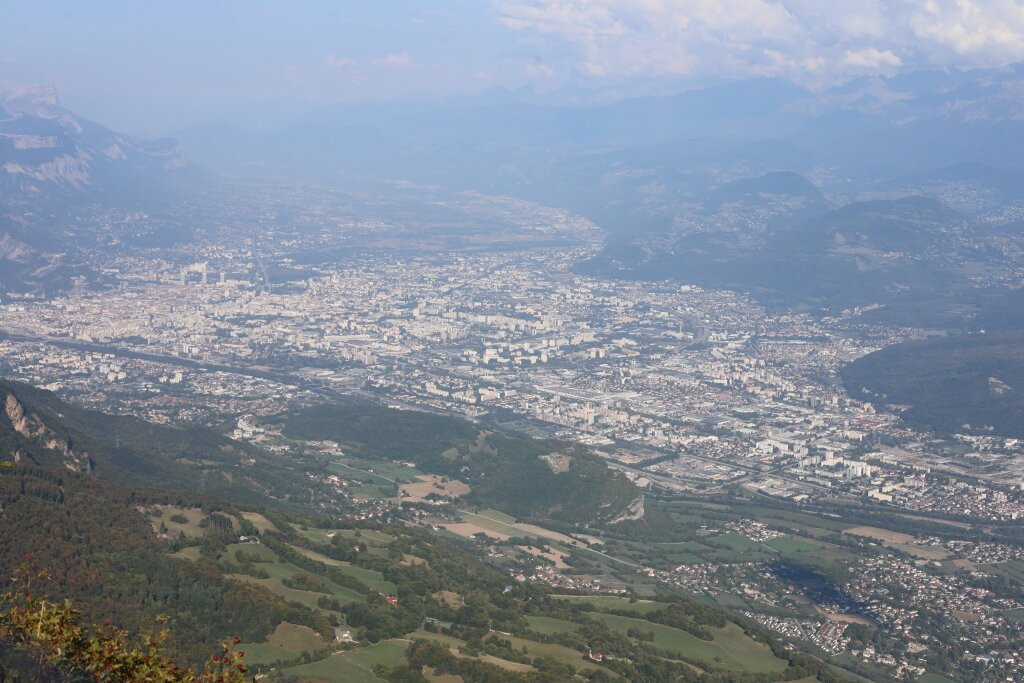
x=44, y=147
x=56, y=167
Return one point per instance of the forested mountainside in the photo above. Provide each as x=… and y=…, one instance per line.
x=530, y=478
x=295, y=588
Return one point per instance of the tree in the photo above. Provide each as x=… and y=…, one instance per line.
x=52, y=635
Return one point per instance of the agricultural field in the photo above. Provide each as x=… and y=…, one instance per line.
x=614, y=602
x=261, y=523
x=278, y=571
x=730, y=648
x=550, y=625
x=425, y=485
x=286, y=643
x=899, y=541
x=352, y=666
x=371, y=578
x=177, y=521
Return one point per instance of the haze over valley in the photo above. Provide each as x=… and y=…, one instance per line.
x=657, y=347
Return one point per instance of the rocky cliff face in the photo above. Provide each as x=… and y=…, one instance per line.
x=15, y=417
x=44, y=147
x=633, y=511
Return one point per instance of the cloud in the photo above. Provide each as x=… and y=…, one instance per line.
x=976, y=29
x=396, y=59
x=621, y=39
x=870, y=58
x=340, y=62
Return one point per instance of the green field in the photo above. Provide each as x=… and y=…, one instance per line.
x=615, y=602
x=277, y=571
x=284, y=570
x=557, y=652
x=261, y=523
x=367, y=536
x=353, y=666
x=263, y=653
x=550, y=625
x=788, y=545
x=190, y=528
x=450, y=641
x=382, y=470
x=287, y=642
x=296, y=638
x=498, y=515
x=371, y=578
x=731, y=648
x=264, y=553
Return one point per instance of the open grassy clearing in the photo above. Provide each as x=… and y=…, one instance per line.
x=262, y=653
x=190, y=527
x=412, y=560
x=416, y=491
x=559, y=653
x=603, y=602
x=504, y=663
x=295, y=637
x=498, y=515
x=261, y=523
x=316, y=535
x=900, y=541
x=450, y=598
x=881, y=534
x=382, y=469
x=353, y=666
x=497, y=524
x=370, y=577
x=450, y=641
x=550, y=625
x=554, y=555
x=278, y=572
x=284, y=570
x=372, y=492
x=790, y=545
x=730, y=648
x=288, y=641
x=367, y=536
x=264, y=553
x=468, y=530
x=1014, y=616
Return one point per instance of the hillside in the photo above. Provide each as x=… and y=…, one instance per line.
x=884, y=251
x=308, y=595
x=58, y=173
x=969, y=383
x=46, y=152
x=102, y=552
x=38, y=428
x=503, y=471
x=772, y=201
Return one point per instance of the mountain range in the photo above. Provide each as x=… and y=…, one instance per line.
x=58, y=171
x=740, y=185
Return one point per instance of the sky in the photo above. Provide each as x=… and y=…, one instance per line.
x=153, y=67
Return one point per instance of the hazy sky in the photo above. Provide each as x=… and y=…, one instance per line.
x=154, y=66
